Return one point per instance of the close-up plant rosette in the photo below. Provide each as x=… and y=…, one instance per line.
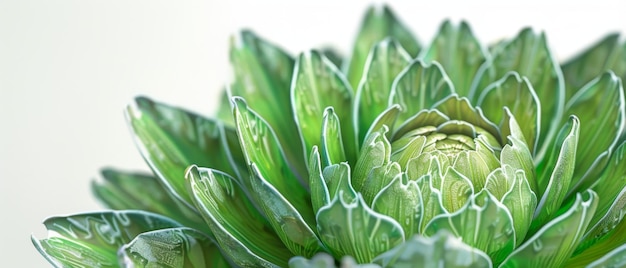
x=452, y=154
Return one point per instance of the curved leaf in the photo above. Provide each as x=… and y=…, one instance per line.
x=555, y=178
x=553, y=245
x=355, y=230
x=484, y=223
x=125, y=190
x=319, y=190
x=175, y=247
x=92, y=239
x=384, y=63
x=418, y=87
x=518, y=95
x=402, y=201
x=293, y=229
x=612, y=180
x=528, y=54
x=460, y=54
x=600, y=107
x=261, y=147
x=318, y=84
x=170, y=139
x=440, y=250
x=263, y=71
x=378, y=24
x=516, y=152
x=589, y=64
x=615, y=258
x=331, y=143
x=459, y=108
x=243, y=235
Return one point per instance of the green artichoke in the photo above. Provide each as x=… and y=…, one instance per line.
x=451, y=155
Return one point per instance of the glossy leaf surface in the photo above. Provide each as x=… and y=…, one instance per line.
x=383, y=65
x=318, y=84
x=244, y=236
x=175, y=247
x=171, y=139
x=124, y=190
x=440, y=250
x=92, y=239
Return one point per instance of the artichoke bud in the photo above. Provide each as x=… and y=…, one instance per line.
x=437, y=162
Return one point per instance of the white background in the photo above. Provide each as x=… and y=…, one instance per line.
x=68, y=68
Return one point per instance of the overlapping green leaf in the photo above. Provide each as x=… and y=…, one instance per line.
x=295, y=231
x=518, y=95
x=600, y=107
x=613, y=179
x=92, y=239
x=244, y=236
x=401, y=200
x=355, y=230
x=528, y=54
x=174, y=247
x=615, y=258
x=261, y=147
x=386, y=60
x=555, y=179
x=484, y=223
x=553, y=245
x=263, y=71
x=331, y=142
x=378, y=24
x=440, y=250
x=125, y=190
x=419, y=86
x=592, y=62
x=318, y=84
x=171, y=139
x=459, y=52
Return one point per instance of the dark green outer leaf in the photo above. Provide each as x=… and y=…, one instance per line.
x=593, y=61
x=553, y=245
x=92, y=239
x=615, y=258
x=263, y=71
x=262, y=148
x=175, y=247
x=318, y=84
x=460, y=54
x=612, y=181
x=418, y=87
x=171, y=139
x=378, y=24
x=124, y=190
x=611, y=240
x=384, y=63
x=244, y=236
x=440, y=250
x=600, y=107
x=529, y=55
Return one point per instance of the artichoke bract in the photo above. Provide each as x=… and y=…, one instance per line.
x=402, y=155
